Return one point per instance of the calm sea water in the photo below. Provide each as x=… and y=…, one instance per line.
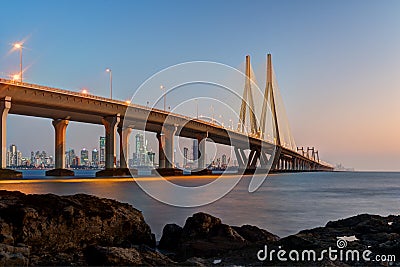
x=284, y=204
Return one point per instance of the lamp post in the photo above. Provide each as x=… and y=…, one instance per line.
x=165, y=97
x=212, y=113
x=197, y=108
x=110, y=71
x=19, y=46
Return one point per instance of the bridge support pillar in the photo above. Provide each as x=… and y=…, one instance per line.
x=5, y=105
x=201, y=155
x=166, y=166
x=201, y=141
x=161, y=154
x=110, y=126
x=124, y=134
x=60, y=128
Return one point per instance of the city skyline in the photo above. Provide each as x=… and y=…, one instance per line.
x=339, y=85
x=95, y=157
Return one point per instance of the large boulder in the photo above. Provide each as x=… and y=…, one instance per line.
x=204, y=235
x=171, y=236
x=54, y=225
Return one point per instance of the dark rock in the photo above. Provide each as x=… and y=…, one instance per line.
x=9, y=174
x=60, y=172
x=167, y=172
x=204, y=235
x=116, y=172
x=97, y=255
x=199, y=226
x=254, y=234
x=14, y=255
x=61, y=226
x=171, y=236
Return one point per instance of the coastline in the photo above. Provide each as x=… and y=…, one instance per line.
x=86, y=230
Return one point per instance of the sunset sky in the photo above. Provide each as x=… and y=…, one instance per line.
x=337, y=62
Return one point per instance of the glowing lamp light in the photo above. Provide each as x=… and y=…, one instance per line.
x=18, y=45
x=128, y=102
x=84, y=91
x=15, y=77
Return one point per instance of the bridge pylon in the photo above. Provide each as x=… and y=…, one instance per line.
x=247, y=102
x=269, y=98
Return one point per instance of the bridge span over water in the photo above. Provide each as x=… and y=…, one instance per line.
x=120, y=117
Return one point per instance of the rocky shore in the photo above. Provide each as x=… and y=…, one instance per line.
x=87, y=230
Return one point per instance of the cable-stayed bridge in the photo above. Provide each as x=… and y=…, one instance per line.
x=262, y=141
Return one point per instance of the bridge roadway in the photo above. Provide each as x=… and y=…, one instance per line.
x=63, y=106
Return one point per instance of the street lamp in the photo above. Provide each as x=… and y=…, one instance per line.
x=165, y=95
x=197, y=108
x=19, y=46
x=110, y=71
x=212, y=113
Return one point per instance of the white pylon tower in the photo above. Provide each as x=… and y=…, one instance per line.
x=269, y=98
x=247, y=94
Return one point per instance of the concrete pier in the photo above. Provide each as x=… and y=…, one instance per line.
x=110, y=126
x=60, y=127
x=166, y=164
x=5, y=105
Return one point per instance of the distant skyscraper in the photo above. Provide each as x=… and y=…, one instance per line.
x=95, y=157
x=185, y=156
x=19, y=158
x=223, y=161
x=151, y=157
x=8, y=159
x=195, y=150
x=13, y=155
x=85, y=157
x=32, y=158
x=140, y=150
x=69, y=157
x=102, y=150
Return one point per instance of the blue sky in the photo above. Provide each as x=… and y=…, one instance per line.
x=336, y=62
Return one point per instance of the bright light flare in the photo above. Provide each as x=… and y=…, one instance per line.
x=128, y=102
x=15, y=77
x=108, y=70
x=18, y=45
x=85, y=91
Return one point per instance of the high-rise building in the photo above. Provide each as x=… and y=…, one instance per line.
x=140, y=150
x=95, y=157
x=102, y=157
x=185, y=156
x=223, y=161
x=19, y=158
x=8, y=159
x=13, y=156
x=76, y=161
x=151, y=158
x=195, y=150
x=85, y=157
x=69, y=156
x=32, y=158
